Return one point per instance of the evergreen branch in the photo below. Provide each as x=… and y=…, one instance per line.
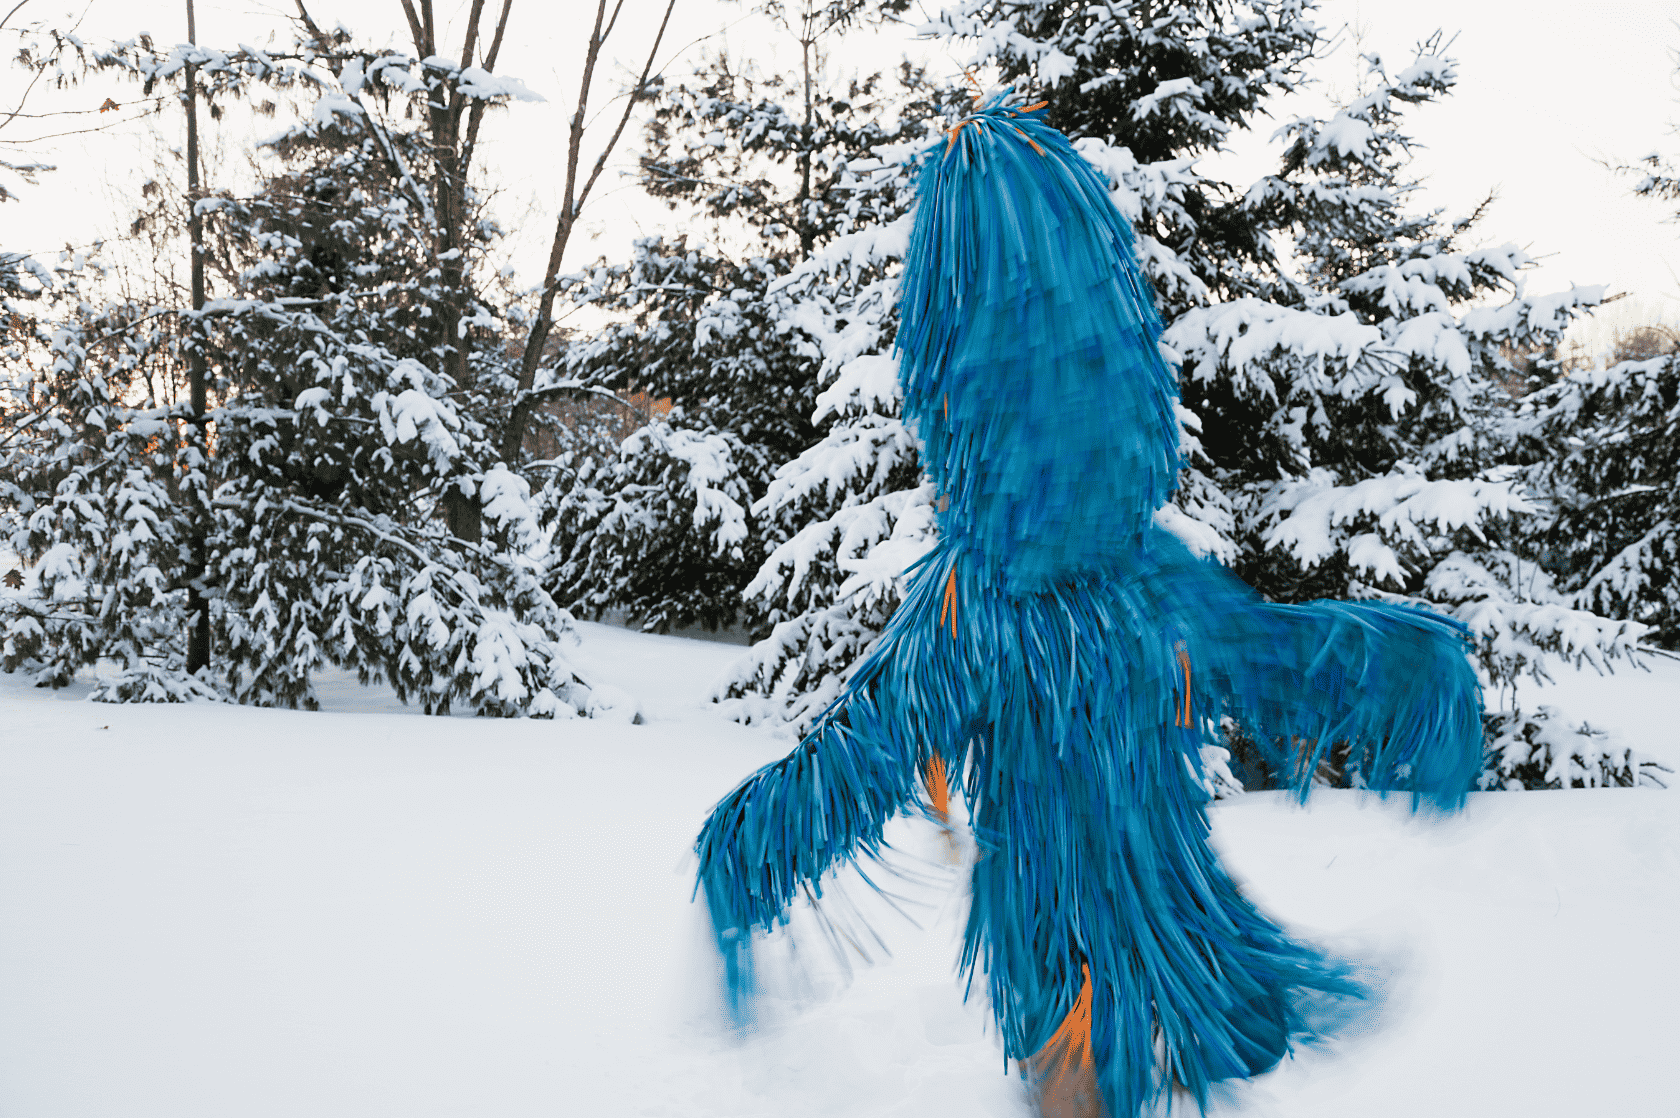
x=284, y=303
x=77, y=618
x=375, y=530
x=550, y=391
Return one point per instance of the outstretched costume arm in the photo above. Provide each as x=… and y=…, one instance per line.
x=1391, y=685
x=900, y=719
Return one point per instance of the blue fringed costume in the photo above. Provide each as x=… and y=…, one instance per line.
x=1064, y=660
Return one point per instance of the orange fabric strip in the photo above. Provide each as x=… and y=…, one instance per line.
x=1069, y=1047
x=939, y=793
x=1184, y=660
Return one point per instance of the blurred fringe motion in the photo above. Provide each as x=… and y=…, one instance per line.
x=1065, y=660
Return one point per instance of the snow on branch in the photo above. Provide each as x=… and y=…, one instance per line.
x=1544, y=748
x=866, y=384
x=482, y=85
x=1402, y=508
x=873, y=246
x=1244, y=336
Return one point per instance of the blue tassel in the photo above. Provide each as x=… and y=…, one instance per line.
x=1067, y=660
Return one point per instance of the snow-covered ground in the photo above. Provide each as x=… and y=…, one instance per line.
x=231, y=913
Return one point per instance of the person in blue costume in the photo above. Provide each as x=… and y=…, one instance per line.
x=1063, y=660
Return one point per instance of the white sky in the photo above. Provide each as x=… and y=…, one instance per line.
x=1547, y=89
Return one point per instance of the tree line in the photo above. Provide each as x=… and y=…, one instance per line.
x=399, y=464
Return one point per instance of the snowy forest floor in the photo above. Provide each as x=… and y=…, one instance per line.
x=212, y=911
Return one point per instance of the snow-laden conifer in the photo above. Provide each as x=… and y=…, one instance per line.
x=358, y=360
x=660, y=530
x=851, y=509
x=1602, y=444
x=1606, y=450
x=1366, y=423
x=88, y=489
x=731, y=324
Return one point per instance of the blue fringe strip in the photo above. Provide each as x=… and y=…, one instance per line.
x=1067, y=661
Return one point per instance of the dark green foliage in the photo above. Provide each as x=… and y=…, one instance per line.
x=1606, y=448
x=730, y=329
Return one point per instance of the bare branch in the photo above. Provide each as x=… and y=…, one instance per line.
x=473, y=17
x=475, y=115
x=431, y=28
x=23, y=100
x=457, y=99
x=496, y=41
x=571, y=203
x=310, y=25
x=574, y=141
x=629, y=106
x=153, y=111
x=80, y=112
x=613, y=22
x=13, y=12
x=414, y=28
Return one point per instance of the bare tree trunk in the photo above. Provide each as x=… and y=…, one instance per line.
x=571, y=203
x=198, y=457
x=807, y=235
x=452, y=152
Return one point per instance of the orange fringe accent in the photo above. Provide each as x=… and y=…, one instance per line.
x=1181, y=716
x=1065, y=1069
x=1070, y=1045
x=951, y=132
x=939, y=793
x=950, y=604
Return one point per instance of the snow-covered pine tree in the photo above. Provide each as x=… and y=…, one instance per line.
x=1363, y=433
x=87, y=473
x=90, y=489
x=339, y=431
x=1151, y=89
x=851, y=510
x=659, y=529
x=763, y=163
x=1604, y=447
x=360, y=375
x=1605, y=451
